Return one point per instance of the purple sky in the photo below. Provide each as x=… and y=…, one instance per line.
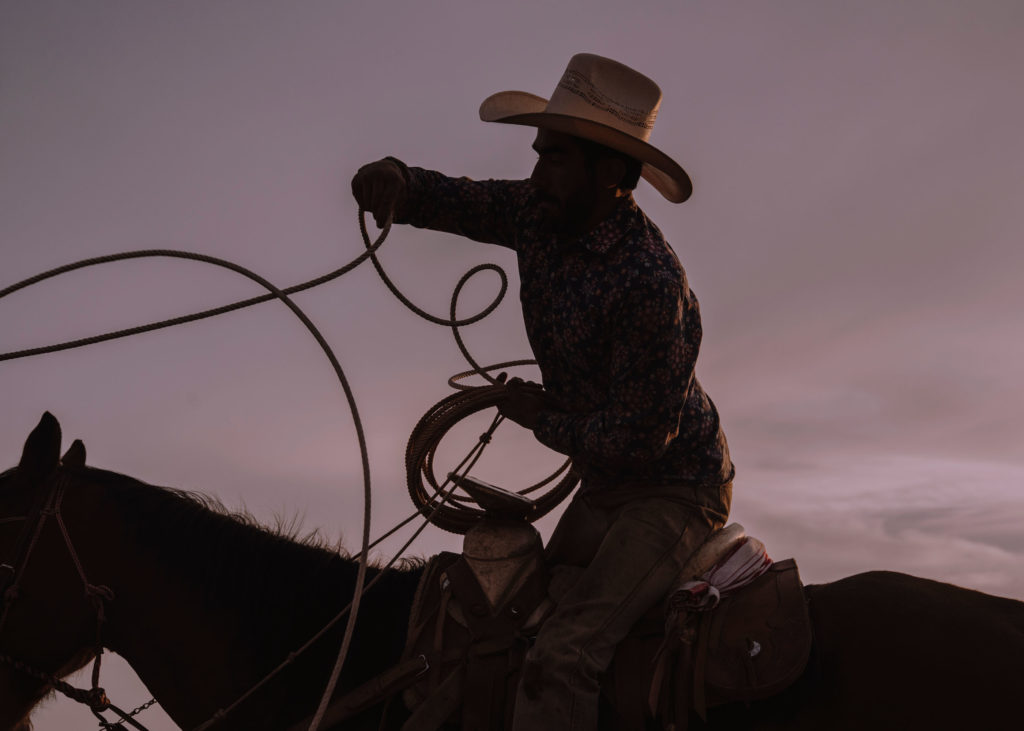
x=854, y=238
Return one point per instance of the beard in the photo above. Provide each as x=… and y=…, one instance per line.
x=570, y=217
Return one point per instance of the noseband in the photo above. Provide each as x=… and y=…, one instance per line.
x=48, y=505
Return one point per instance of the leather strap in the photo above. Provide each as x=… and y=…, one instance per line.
x=442, y=618
x=663, y=659
x=700, y=705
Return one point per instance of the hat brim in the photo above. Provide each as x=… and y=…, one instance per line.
x=658, y=169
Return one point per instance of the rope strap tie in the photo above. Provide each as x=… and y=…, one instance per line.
x=99, y=594
x=97, y=699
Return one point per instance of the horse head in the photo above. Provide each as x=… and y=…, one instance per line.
x=47, y=626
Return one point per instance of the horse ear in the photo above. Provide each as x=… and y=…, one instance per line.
x=75, y=456
x=42, y=448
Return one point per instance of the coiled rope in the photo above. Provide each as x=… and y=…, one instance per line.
x=458, y=514
x=428, y=434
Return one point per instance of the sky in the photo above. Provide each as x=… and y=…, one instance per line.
x=853, y=237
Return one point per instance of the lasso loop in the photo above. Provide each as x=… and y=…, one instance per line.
x=350, y=397
x=433, y=504
x=453, y=322
x=370, y=253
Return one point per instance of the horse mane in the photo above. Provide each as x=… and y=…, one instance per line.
x=194, y=509
x=291, y=578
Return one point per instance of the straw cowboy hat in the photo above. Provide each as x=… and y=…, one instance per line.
x=603, y=101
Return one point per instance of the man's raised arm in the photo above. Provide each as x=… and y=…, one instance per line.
x=489, y=211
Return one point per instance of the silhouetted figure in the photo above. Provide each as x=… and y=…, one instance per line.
x=615, y=329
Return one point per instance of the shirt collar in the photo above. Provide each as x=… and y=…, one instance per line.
x=612, y=229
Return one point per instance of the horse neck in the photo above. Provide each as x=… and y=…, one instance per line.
x=206, y=605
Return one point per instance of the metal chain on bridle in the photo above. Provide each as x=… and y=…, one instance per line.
x=95, y=698
x=440, y=506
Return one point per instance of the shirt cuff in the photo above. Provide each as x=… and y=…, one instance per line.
x=553, y=431
x=407, y=207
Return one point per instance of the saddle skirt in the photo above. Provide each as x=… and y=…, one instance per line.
x=475, y=616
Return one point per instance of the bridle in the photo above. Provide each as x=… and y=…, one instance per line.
x=47, y=505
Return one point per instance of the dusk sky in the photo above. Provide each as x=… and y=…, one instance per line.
x=854, y=238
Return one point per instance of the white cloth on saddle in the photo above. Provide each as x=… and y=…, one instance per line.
x=745, y=562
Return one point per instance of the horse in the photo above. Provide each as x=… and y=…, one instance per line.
x=203, y=603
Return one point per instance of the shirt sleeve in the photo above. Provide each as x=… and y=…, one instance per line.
x=652, y=373
x=488, y=211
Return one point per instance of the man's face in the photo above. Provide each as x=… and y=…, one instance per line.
x=565, y=185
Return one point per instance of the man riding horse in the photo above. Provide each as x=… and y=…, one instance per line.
x=615, y=329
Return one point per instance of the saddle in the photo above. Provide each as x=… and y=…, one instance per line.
x=476, y=615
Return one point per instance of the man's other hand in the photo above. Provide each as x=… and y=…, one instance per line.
x=379, y=188
x=523, y=402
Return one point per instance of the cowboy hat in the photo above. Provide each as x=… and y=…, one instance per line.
x=603, y=101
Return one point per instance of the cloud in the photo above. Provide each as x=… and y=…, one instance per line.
x=951, y=520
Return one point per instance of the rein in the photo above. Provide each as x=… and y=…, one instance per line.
x=48, y=505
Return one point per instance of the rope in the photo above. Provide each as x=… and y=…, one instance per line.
x=460, y=516
x=93, y=697
x=466, y=463
x=281, y=295
x=433, y=507
x=148, y=253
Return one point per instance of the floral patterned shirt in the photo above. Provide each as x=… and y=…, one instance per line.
x=614, y=327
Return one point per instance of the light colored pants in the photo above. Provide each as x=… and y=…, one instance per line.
x=632, y=547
